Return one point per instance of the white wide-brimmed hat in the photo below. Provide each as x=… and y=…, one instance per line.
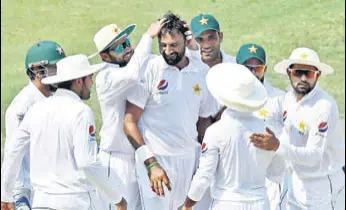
x=303, y=55
x=236, y=87
x=108, y=35
x=70, y=68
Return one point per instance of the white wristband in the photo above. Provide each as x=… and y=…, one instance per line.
x=144, y=153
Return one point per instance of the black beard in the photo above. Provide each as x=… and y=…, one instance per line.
x=174, y=62
x=304, y=91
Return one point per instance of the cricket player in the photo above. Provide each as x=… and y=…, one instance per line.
x=237, y=168
x=253, y=57
x=115, y=81
x=207, y=33
x=40, y=62
x=311, y=141
x=169, y=101
x=60, y=133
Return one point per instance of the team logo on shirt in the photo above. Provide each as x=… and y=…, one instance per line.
x=204, y=148
x=92, y=131
x=323, y=127
x=197, y=89
x=162, y=85
x=284, y=116
x=262, y=113
x=301, y=127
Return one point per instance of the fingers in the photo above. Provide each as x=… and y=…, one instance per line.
x=167, y=183
x=188, y=35
x=160, y=189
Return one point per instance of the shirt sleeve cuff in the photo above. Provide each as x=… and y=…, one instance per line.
x=136, y=102
x=195, y=193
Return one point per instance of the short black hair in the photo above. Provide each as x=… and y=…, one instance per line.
x=68, y=84
x=173, y=24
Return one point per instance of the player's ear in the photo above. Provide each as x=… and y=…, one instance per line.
x=105, y=57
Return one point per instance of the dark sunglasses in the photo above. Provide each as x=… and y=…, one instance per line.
x=310, y=74
x=121, y=47
x=257, y=68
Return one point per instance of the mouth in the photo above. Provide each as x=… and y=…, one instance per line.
x=172, y=56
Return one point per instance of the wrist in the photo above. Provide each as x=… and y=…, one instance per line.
x=144, y=154
x=277, y=145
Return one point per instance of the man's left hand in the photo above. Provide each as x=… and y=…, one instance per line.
x=265, y=141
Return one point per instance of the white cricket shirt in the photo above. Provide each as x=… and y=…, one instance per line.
x=113, y=84
x=237, y=167
x=312, y=140
x=172, y=101
x=59, y=131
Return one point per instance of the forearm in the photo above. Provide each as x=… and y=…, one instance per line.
x=202, y=125
x=189, y=203
x=300, y=155
x=132, y=132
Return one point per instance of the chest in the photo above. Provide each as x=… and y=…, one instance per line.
x=298, y=122
x=173, y=87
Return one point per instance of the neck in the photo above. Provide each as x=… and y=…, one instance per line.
x=183, y=63
x=212, y=63
x=41, y=87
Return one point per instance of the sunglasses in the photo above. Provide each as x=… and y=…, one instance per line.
x=121, y=47
x=310, y=74
x=257, y=68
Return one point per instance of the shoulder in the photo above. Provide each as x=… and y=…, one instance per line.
x=23, y=101
x=324, y=102
x=228, y=58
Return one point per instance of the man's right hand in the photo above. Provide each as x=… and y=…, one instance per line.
x=155, y=28
x=7, y=206
x=122, y=205
x=157, y=177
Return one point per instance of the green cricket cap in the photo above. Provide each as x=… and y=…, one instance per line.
x=203, y=22
x=250, y=50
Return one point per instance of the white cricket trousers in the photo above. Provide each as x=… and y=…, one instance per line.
x=240, y=205
x=71, y=201
x=179, y=170
x=121, y=168
x=324, y=193
x=277, y=193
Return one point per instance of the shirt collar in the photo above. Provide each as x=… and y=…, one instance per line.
x=189, y=68
x=67, y=93
x=35, y=88
x=306, y=97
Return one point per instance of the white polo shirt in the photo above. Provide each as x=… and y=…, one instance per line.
x=312, y=140
x=59, y=131
x=237, y=167
x=172, y=101
x=113, y=84
x=14, y=115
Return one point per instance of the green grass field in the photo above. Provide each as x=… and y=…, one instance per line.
x=279, y=26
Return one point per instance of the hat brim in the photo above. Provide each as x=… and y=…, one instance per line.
x=125, y=32
x=218, y=87
x=74, y=75
x=284, y=64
